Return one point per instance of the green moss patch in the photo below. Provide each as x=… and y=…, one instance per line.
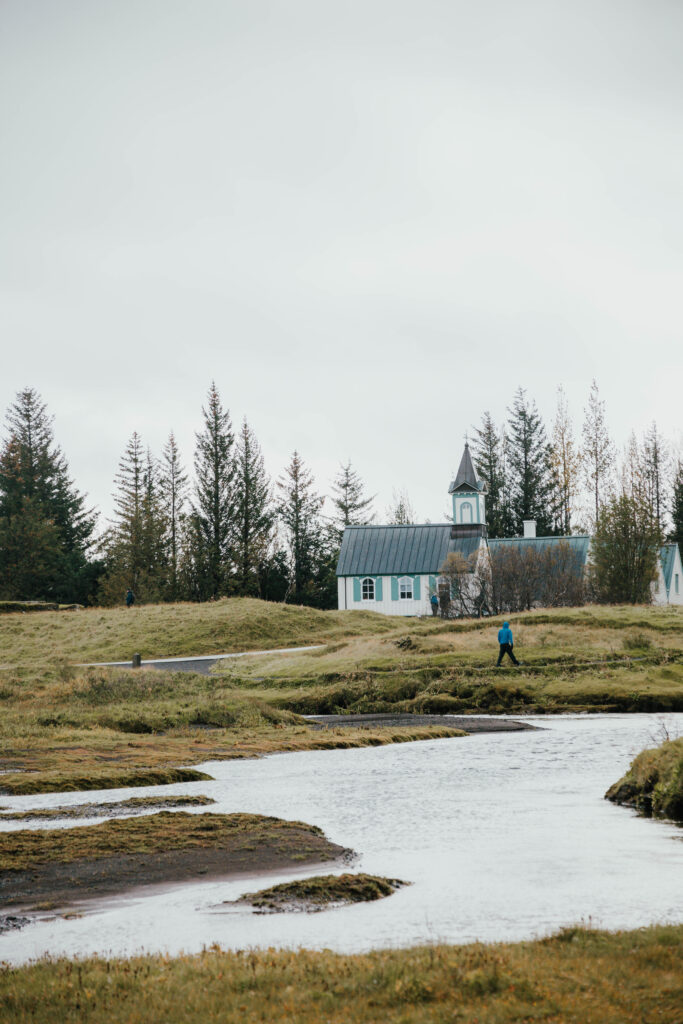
x=321, y=892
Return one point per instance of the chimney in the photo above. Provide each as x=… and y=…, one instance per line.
x=530, y=528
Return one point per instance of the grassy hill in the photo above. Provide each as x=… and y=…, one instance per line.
x=69, y=724
x=173, y=630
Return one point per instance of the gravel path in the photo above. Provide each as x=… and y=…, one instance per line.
x=201, y=663
x=467, y=723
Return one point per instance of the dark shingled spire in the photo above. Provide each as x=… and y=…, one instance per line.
x=466, y=478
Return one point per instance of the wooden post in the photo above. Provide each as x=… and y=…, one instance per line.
x=137, y=660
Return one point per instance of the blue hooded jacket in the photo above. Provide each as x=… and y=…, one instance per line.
x=505, y=634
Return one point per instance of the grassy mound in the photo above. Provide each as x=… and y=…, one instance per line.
x=151, y=834
x=65, y=782
x=322, y=891
x=579, y=976
x=174, y=630
x=654, y=782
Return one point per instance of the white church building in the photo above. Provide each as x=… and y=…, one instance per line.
x=395, y=569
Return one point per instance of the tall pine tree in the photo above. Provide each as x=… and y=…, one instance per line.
x=254, y=514
x=46, y=530
x=488, y=450
x=531, y=482
x=299, y=509
x=597, y=451
x=173, y=495
x=566, y=464
x=351, y=506
x=134, y=543
x=214, y=503
x=677, y=507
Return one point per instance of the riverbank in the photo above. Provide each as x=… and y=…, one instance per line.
x=578, y=975
x=59, y=866
x=653, y=784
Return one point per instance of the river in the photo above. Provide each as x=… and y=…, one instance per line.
x=504, y=836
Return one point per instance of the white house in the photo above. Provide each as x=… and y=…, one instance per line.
x=395, y=569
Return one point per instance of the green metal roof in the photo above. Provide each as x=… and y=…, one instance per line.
x=667, y=554
x=578, y=544
x=394, y=550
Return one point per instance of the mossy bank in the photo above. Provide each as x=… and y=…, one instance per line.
x=653, y=784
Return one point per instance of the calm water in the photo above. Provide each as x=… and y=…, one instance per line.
x=503, y=836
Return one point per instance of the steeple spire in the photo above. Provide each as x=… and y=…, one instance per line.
x=466, y=477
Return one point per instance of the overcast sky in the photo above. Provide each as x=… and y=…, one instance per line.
x=368, y=221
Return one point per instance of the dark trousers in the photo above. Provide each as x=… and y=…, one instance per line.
x=506, y=649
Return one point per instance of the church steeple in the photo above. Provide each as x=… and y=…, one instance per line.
x=468, y=494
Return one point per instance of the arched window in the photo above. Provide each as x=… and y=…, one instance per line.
x=405, y=588
x=368, y=589
x=466, y=512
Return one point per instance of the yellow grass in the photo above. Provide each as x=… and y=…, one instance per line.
x=579, y=977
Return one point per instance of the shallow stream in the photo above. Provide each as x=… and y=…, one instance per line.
x=505, y=836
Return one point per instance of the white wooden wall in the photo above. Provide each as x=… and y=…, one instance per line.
x=386, y=606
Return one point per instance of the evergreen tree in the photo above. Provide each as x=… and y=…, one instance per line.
x=655, y=464
x=488, y=450
x=35, y=485
x=401, y=511
x=677, y=507
x=531, y=482
x=134, y=543
x=566, y=464
x=214, y=503
x=624, y=551
x=173, y=493
x=299, y=510
x=598, y=455
x=254, y=513
x=351, y=507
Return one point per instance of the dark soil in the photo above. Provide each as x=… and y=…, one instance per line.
x=465, y=722
x=54, y=884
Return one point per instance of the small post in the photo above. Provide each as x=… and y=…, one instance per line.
x=137, y=660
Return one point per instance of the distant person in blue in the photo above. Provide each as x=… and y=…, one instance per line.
x=434, y=601
x=130, y=598
x=506, y=644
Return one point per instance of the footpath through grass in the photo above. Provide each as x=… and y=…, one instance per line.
x=173, y=630
x=64, y=727
x=579, y=976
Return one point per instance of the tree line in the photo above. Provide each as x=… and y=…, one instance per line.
x=228, y=529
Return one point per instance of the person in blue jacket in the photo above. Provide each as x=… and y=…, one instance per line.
x=506, y=644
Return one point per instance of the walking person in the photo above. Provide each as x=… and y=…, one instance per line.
x=506, y=644
x=130, y=598
x=434, y=601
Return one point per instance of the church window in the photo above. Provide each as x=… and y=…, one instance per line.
x=405, y=588
x=466, y=512
x=368, y=589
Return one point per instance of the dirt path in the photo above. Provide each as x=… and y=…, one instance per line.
x=201, y=663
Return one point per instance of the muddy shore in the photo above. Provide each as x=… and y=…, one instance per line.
x=467, y=723
x=54, y=884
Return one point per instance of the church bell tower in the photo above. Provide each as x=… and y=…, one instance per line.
x=469, y=499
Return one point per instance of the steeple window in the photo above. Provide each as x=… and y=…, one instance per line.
x=466, y=515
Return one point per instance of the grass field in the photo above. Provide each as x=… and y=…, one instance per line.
x=97, y=728
x=579, y=976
